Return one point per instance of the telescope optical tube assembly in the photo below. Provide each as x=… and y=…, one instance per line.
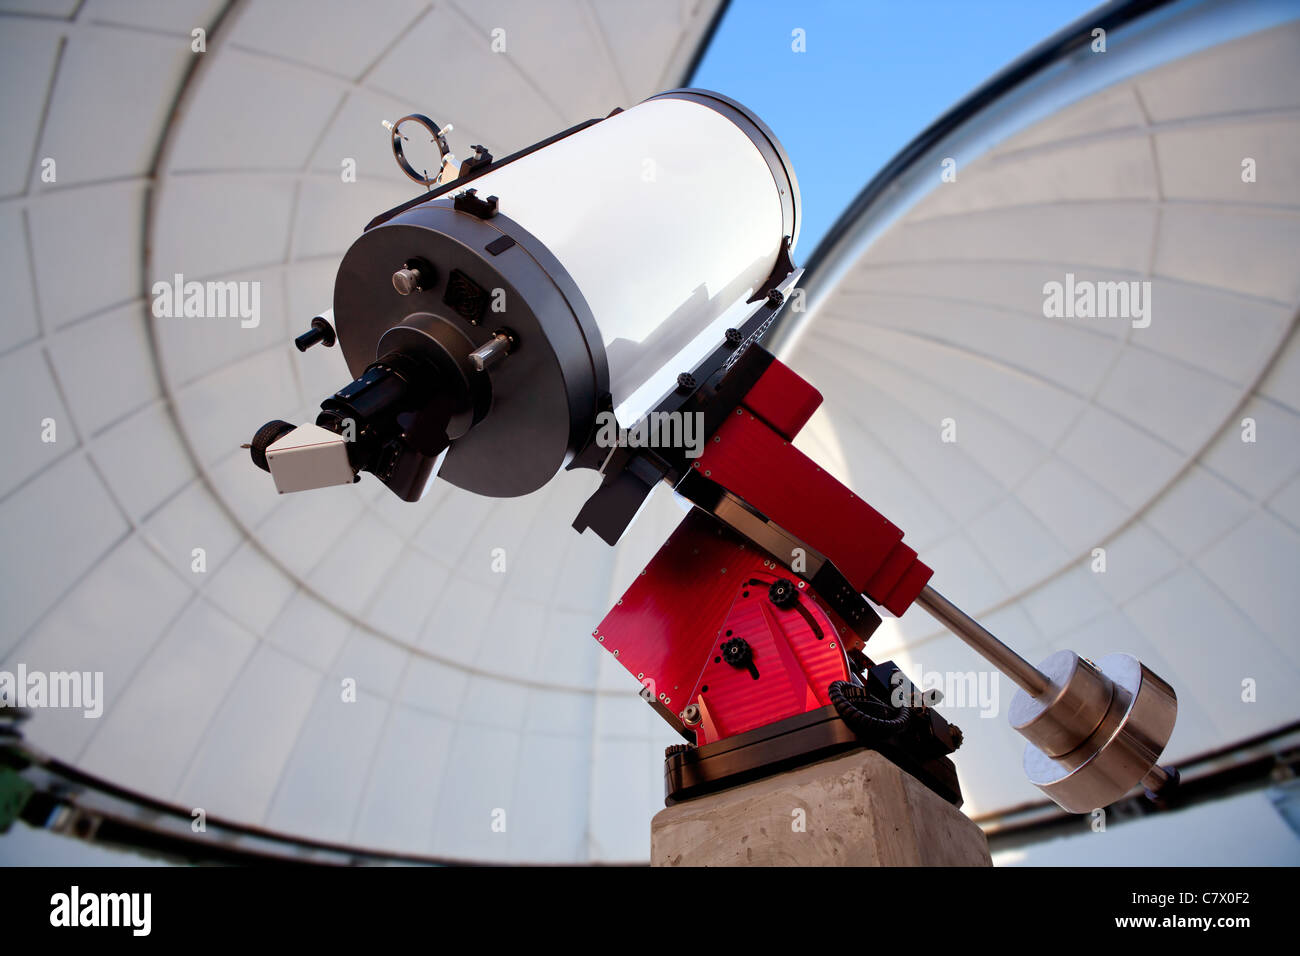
x=610, y=258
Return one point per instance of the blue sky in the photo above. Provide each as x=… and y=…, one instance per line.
x=875, y=73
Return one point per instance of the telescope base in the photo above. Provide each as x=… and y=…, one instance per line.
x=854, y=809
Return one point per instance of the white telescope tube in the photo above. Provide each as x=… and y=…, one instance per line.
x=668, y=217
x=488, y=325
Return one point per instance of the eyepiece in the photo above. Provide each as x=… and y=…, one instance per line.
x=320, y=331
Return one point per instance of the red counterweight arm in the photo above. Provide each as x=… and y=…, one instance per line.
x=752, y=457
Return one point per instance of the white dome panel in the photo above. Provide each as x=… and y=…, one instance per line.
x=224, y=679
x=1075, y=433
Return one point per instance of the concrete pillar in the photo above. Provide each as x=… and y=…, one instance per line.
x=852, y=810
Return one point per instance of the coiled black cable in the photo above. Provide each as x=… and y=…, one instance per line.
x=867, y=716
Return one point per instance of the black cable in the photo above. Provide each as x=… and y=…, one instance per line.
x=855, y=705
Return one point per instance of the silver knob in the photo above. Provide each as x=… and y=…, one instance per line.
x=491, y=351
x=406, y=281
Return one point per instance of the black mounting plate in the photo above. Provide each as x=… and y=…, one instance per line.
x=783, y=745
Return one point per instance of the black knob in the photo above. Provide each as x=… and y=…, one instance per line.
x=737, y=653
x=782, y=593
x=266, y=436
x=320, y=331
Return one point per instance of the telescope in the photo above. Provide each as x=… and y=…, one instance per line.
x=598, y=301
